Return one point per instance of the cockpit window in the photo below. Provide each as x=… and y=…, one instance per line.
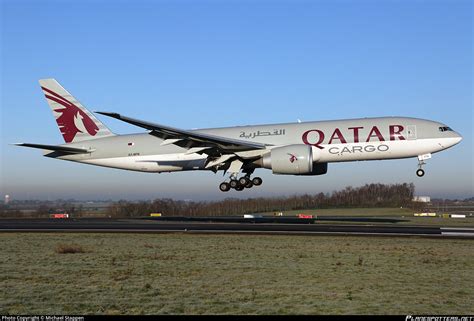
x=445, y=129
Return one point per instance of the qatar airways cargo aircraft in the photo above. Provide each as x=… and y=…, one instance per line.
x=303, y=148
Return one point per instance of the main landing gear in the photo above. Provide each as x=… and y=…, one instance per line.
x=421, y=161
x=244, y=181
x=241, y=183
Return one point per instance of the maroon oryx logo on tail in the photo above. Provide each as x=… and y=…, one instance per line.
x=293, y=158
x=71, y=117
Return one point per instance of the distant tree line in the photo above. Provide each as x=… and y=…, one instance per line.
x=369, y=195
x=64, y=207
x=42, y=209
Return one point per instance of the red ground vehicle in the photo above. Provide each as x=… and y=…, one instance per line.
x=59, y=215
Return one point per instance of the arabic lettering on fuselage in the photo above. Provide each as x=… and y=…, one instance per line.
x=258, y=133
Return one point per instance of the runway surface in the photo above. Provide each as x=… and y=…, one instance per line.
x=162, y=226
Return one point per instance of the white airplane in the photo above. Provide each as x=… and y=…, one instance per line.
x=302, y=148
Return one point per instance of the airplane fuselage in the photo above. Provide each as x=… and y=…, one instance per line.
x=287, y=148
x=331, y=141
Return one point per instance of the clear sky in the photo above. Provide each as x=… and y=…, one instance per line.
x=193, y=64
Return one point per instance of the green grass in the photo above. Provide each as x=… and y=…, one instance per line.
x=404, y=214
x=379, y=212
x=234, y=274
x=439, y=221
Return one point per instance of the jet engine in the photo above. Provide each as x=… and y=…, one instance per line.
x=293, y=160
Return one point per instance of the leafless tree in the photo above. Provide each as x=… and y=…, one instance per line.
x=369, y=195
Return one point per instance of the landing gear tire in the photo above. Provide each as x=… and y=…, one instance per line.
x=249, y=184
x=420, y=172
x=244, y=180
x=257, y=181
x=224, y=187
x=234, y=183
x=239, y=188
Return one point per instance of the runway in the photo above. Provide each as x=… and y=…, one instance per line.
x=160, y=226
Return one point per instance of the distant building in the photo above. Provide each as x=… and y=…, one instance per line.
x=7, y=199
x=422, y=199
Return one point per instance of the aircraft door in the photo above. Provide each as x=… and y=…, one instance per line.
x=411, y=132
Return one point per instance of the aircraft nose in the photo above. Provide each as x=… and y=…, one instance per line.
x=458, y=138
x=455, y=139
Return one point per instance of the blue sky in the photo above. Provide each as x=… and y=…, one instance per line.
x=204, y=64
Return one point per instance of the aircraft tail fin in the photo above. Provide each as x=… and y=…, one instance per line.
x=75, y=122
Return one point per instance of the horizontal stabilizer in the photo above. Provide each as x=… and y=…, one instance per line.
x=56, y=148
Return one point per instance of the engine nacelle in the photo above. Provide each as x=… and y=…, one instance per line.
x=318, y=169
x=292, y=160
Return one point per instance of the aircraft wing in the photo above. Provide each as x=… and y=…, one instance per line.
x=191, y=139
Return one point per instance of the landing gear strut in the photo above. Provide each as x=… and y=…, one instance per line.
x=421, y=161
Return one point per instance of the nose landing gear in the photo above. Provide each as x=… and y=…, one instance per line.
x=421, y=158
x=420, y=172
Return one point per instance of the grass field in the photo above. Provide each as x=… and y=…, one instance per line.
x=379, y=212
x=233, y=274
x=404, y=214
